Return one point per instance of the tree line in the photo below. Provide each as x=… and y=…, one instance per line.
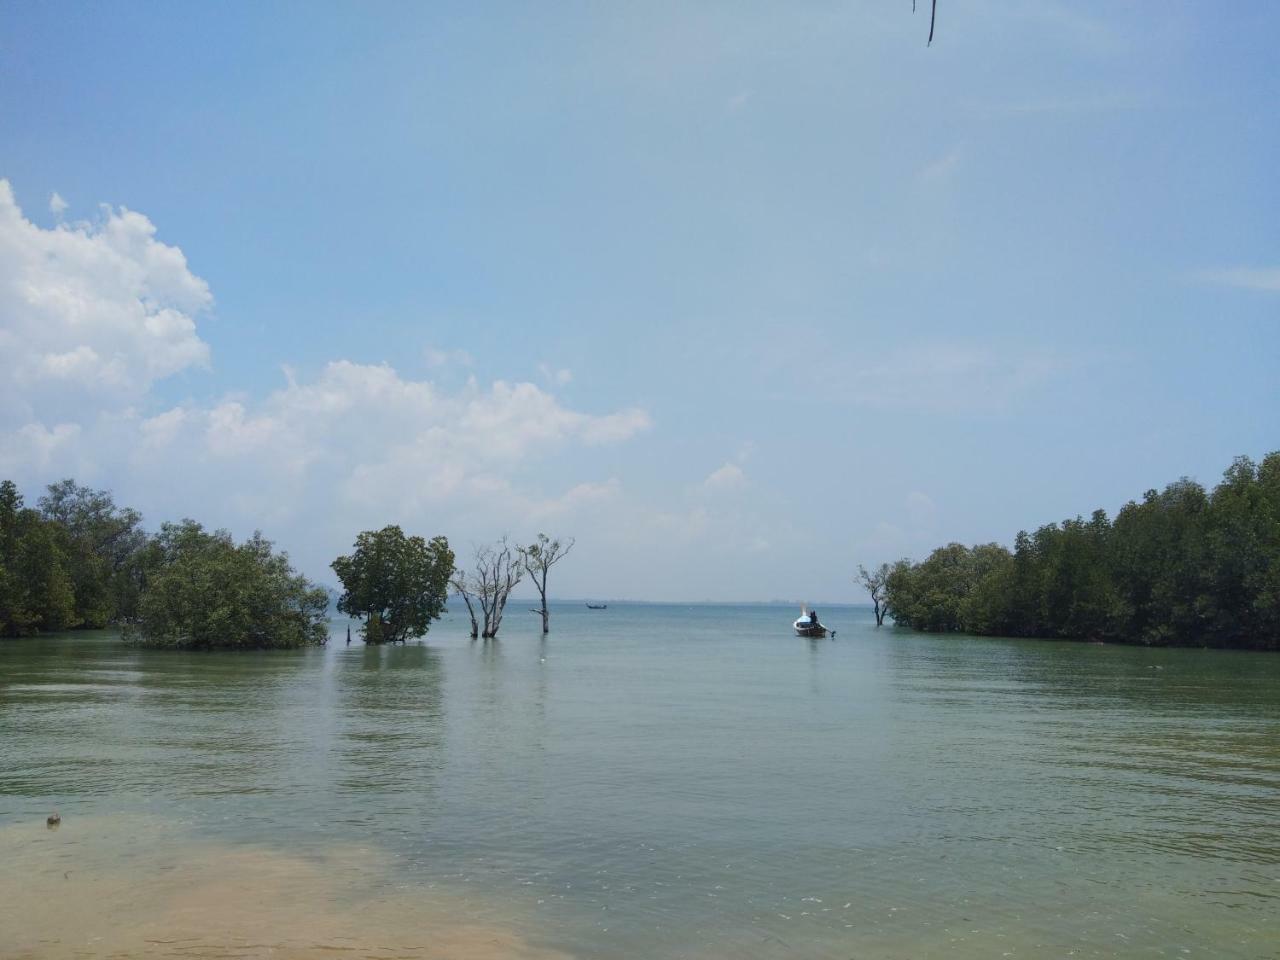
x=1183, y=567
x=73, y=560
x=77, y=560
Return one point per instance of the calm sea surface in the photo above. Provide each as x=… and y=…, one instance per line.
x=649, y=781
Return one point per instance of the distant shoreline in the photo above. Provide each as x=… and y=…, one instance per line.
x=839, y=604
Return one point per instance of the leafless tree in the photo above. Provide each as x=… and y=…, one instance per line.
x=537, y=559
x=498, y=569
x=463, y=584
x=874, y=582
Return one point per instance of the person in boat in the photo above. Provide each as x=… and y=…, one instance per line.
x=813, y=618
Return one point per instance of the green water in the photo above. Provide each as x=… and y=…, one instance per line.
x=649, y=781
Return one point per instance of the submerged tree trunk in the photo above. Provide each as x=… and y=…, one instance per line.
x=874, y=581
x=459, y=583
x=497, y=572
x=471, y=612
x=537, y=559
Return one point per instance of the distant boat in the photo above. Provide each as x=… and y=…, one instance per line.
x=597, y=606
x=807, y=625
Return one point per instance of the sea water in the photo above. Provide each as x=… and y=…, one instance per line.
x=666, y=781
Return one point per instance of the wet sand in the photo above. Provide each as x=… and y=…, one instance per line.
x=107, y=887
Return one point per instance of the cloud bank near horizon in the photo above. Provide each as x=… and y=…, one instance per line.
x=93, y=315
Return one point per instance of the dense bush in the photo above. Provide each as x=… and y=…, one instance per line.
x=81, y=561
x=1183, y=567
x=204, y=591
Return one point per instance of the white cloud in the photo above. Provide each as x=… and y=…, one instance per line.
x=93, y=314
x=357, y=444
x=98, y=310
x=615, y=426
x=577, y=497
x=729, y=476
x=163, y=429
x=35, y=445
x=57, y=206
x=558, y=377
x=372, y=437
x=1266, y=279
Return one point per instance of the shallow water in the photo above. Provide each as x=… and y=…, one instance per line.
x=649, y=781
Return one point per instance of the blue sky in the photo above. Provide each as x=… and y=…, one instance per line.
x=740, y=295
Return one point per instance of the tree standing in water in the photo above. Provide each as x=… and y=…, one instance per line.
x=874, y=582
x=498, y=569
x=204, y=591
x=537, y=559
x=398, y=584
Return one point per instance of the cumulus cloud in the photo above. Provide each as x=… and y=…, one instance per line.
x=615, y=426
x=1266, y=279
x=367, y=440
x=558, y=377
x=35, y=445
x=353, y=446
x=57, y=206
x=94, y=311
x=726, y=477
x=577, y=497
x=92, y=315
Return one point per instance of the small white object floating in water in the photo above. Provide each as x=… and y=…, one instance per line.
x=807, y=625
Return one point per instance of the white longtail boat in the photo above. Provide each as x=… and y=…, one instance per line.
x=807, y=625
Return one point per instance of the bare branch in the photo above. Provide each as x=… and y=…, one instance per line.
x=875, y=581
x=497, y=571
x=537, y=559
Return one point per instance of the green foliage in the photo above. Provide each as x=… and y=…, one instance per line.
x=941, y=594
x=82, y=561
x=36, y=591
x=99, y=541
x=398, y=584
x=203, y=591
x=1183, y=567
x=72, y=563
